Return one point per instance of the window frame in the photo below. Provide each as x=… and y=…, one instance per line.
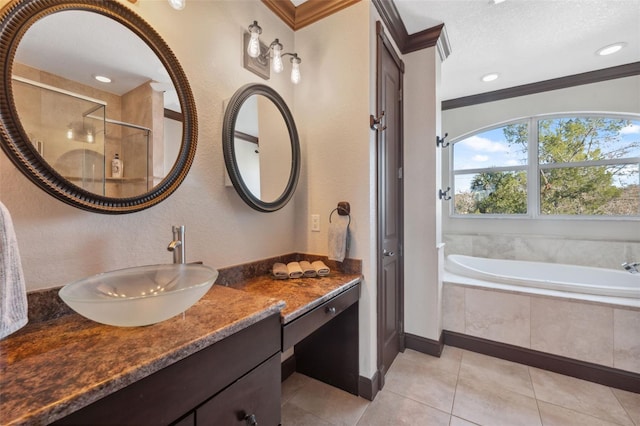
x=533, y=168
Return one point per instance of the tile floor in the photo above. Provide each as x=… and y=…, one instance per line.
x=461, y=388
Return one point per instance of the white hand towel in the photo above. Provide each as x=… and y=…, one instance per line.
x=321, y=269
x=280, y=271
x=13, y=294
x=294, y=270
x=338, y=234
x=307, y=269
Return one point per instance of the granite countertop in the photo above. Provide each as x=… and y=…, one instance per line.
x=301, y=295
x=53, y=368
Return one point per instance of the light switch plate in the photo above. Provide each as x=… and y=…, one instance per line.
x=315, y=222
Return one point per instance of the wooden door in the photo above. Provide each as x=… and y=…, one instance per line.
x=390, y=205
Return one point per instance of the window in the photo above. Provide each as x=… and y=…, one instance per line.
x=550, y=166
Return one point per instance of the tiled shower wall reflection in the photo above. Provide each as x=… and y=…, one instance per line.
x=603, y=254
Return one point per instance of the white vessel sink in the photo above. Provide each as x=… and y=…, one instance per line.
x=139, y=296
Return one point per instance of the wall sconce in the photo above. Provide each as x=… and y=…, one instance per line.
x=260, y=58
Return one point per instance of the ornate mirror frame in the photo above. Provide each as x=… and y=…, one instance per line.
x=17, y=17
x=228, y=147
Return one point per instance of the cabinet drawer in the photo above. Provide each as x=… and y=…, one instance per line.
x=256, y=394
x=300, y=328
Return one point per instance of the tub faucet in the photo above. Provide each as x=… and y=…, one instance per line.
x=631, y=267
x=177, y=245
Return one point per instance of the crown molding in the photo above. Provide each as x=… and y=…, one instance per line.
x=284, y=9
x=597, y=76
x=434, y=36
x=308, y=12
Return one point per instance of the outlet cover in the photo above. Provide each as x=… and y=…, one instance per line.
x=315, y=222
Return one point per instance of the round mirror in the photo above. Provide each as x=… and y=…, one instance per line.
x=94, y=107
x=261, y=147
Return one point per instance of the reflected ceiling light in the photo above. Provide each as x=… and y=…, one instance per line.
x=260, y=59
x=490, y=77
x=102, y=78
x=178, y=4
x=610, y=49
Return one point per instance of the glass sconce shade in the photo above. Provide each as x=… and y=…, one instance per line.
x=278, y=66
x=295, y=69
x=253, y=49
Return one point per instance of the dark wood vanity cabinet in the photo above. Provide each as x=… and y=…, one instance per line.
x=235, y=381
x=326, y=341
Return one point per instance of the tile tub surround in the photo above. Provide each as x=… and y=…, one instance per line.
x=543, y=248
x=52, y=368
x=598, y=333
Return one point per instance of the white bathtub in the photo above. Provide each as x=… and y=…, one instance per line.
x=548, y=276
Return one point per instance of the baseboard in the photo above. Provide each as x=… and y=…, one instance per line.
x=596, y=373
x=424, y=345
x=288, y=367
x=368, y=388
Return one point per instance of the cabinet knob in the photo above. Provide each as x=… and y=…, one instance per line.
x=331, y=310
x=251, y=420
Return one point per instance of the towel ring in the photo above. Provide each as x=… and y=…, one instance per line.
x=339, y=212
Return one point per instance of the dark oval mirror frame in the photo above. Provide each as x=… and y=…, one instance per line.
x=228, y=146
x=17, y=17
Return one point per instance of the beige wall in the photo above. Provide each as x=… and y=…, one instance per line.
x=422, y=218
x=332, y=106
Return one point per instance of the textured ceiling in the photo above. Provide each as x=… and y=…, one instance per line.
x=525, y=41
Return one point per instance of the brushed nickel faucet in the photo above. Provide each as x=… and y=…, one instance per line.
x=177, y=245
x=631, y=267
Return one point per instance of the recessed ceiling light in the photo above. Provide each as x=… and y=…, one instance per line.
x=178, y=4
x=497, y=1
x=102, y=79
x=490, y=77
x=610, y=49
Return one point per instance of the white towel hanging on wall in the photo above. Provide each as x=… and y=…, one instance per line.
x=13, y=294
x=338, y=236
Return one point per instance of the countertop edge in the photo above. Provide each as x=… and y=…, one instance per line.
x=319, y=301
x=73, y=403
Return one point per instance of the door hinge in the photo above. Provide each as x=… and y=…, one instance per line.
x=400, y=173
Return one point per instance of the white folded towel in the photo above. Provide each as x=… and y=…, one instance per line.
x=13, y=293
x=321, y=269
x=307, y=269
x=338, y=235
x=294, y=270
x=280, y=271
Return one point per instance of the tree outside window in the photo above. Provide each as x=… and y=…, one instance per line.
x=585, y=165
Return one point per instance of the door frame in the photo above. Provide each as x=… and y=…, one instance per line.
x=383, y=42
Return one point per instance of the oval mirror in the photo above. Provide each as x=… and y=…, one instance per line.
x=261, y=147
x=94, y=107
